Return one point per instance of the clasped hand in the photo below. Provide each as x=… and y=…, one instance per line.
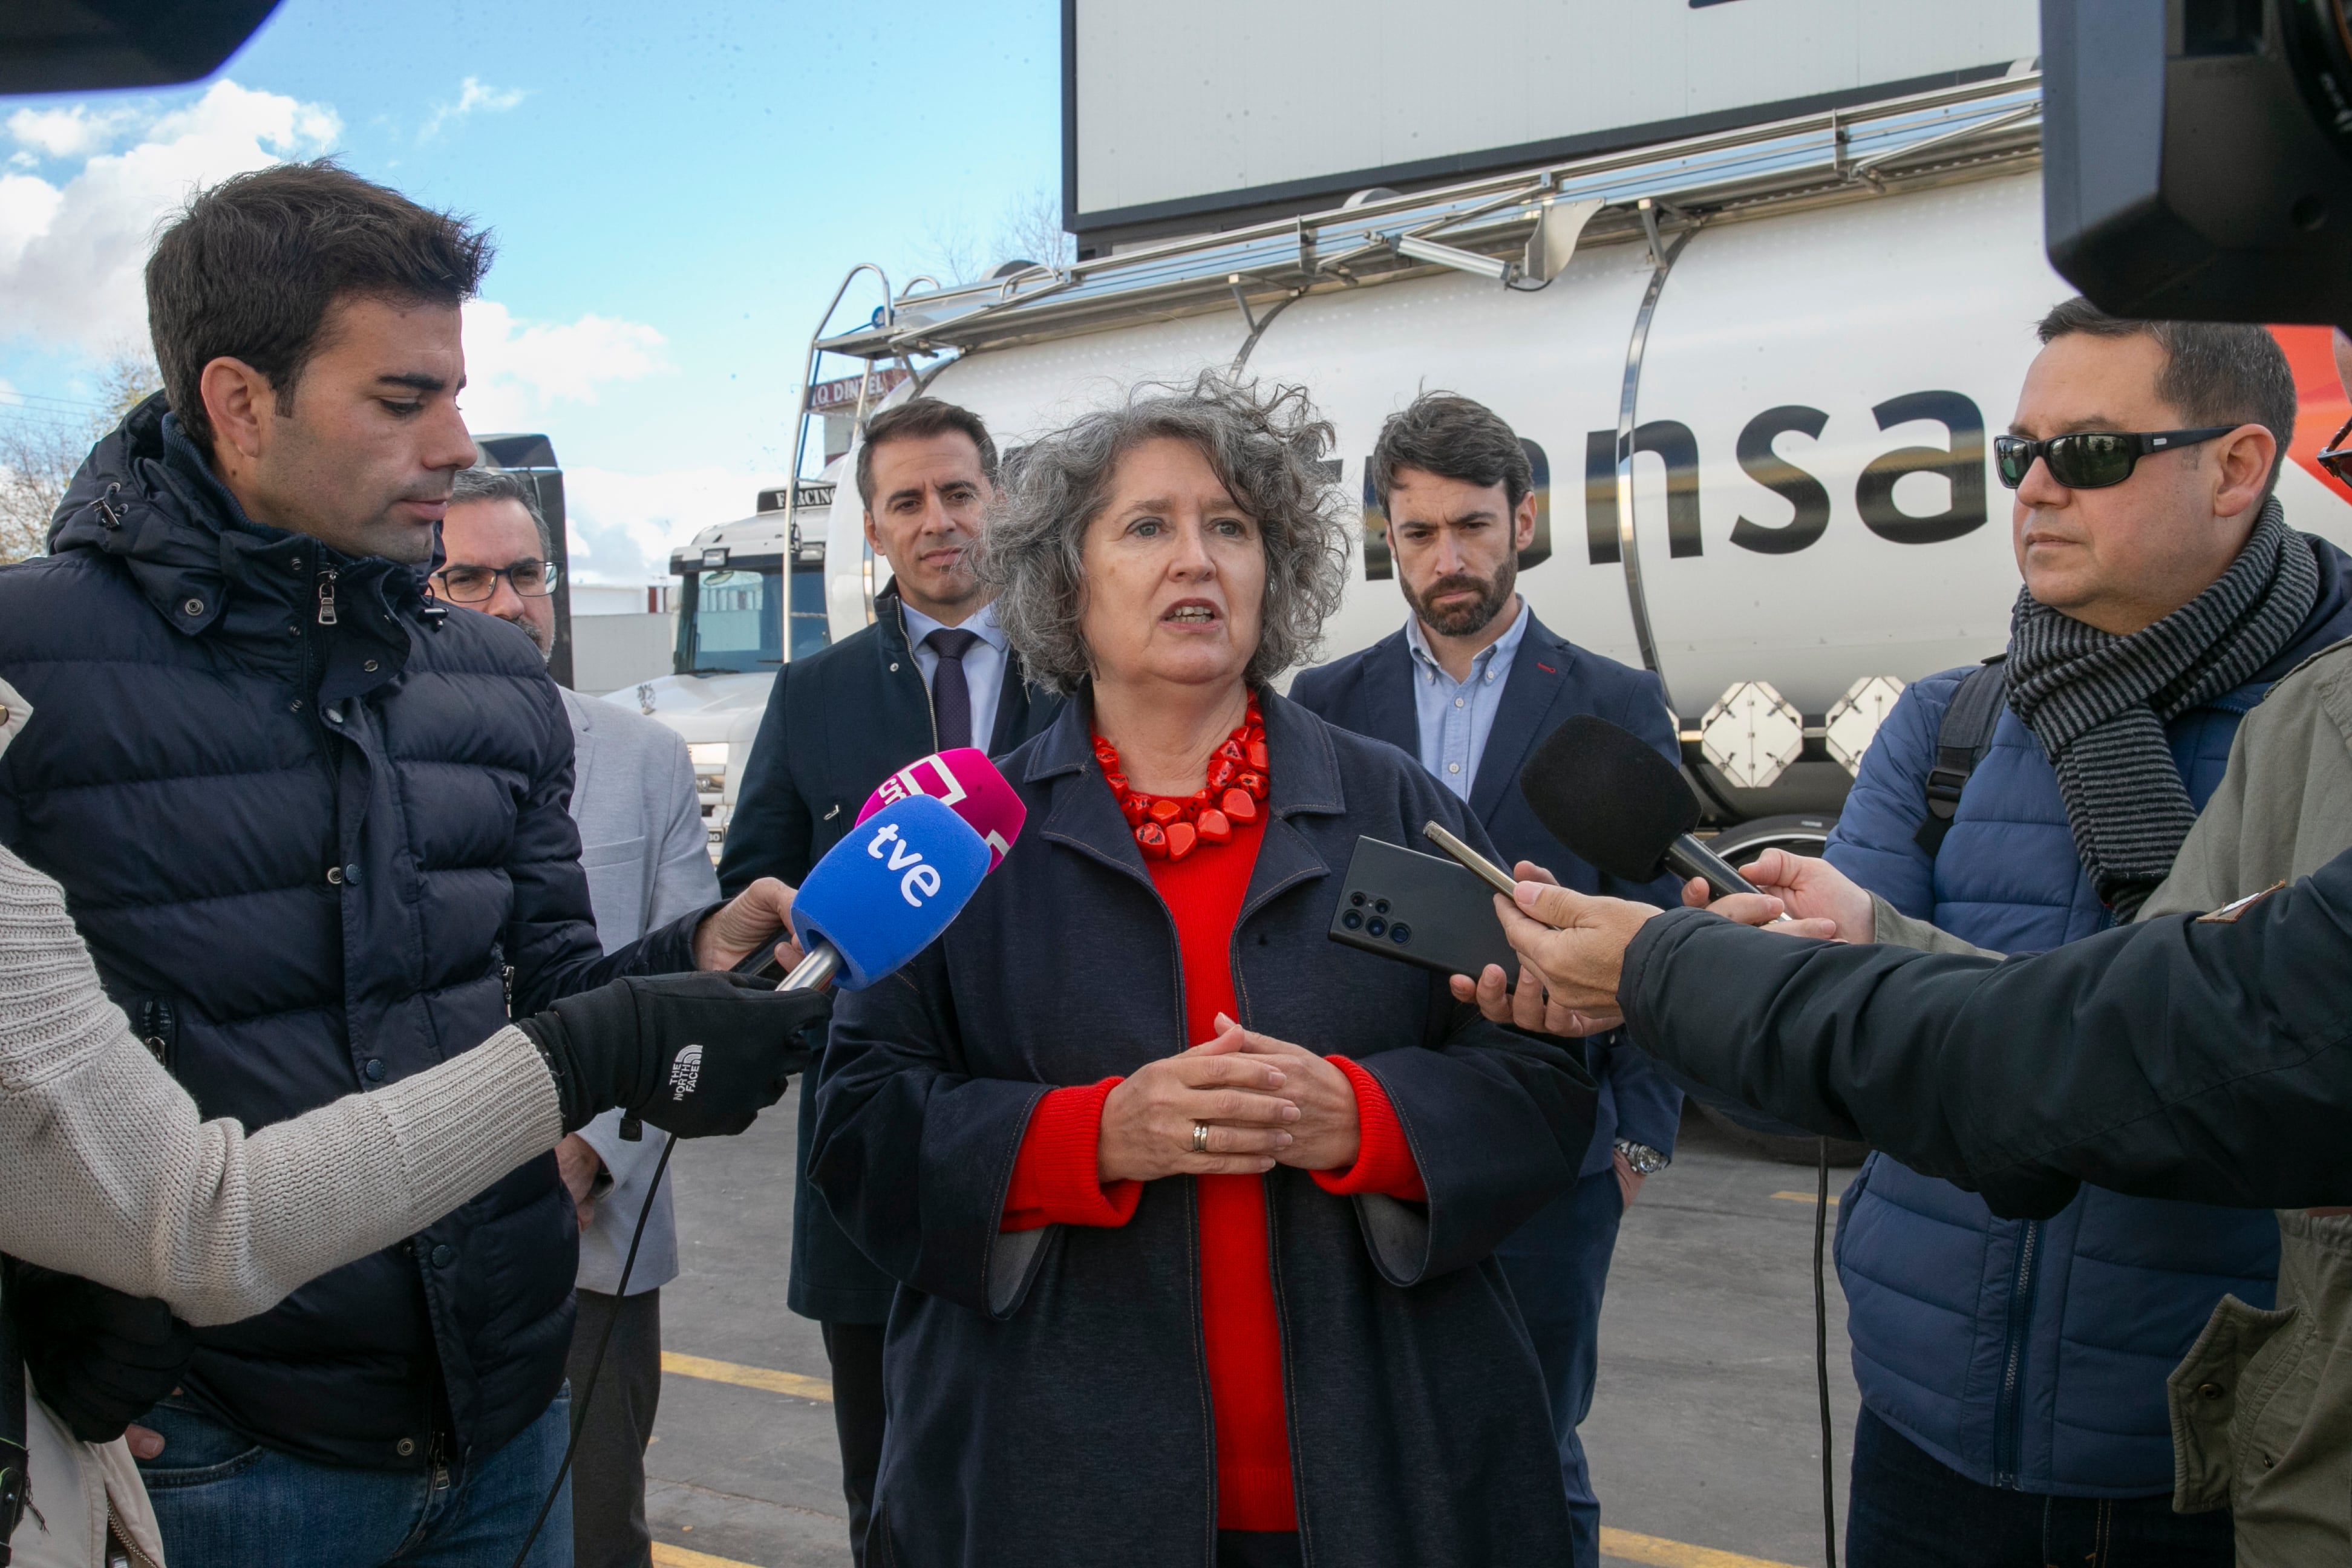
x=1265, y=1102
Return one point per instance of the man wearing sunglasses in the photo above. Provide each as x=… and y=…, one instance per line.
x=2013, y=1372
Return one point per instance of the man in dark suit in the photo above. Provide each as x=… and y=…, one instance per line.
x=932, y=673
x=1470, y=686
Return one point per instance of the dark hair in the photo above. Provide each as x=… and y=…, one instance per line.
x=1445, y=434
x=911, y=421
x=497, y=484
x=1266, y=446
x=250, y=268
x=2215, y=373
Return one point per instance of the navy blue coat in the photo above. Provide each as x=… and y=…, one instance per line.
x=1049, y=1402
x=838, y=723
x=1551, y=680
x=2032, y=1353
x=302, y=855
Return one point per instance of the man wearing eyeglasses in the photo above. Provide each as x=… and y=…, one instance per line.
x=2013, y=1372
x=646, y=856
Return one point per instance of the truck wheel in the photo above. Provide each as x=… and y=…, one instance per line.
x=1800, y=834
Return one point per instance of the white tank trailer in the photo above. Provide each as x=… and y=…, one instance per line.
x=1757, y=355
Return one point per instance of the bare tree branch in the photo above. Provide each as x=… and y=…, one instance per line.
x=41, y=451
x=1031, y=230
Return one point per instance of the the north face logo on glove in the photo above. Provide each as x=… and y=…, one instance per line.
x=686, y=1072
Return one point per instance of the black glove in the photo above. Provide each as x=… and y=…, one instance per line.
x=693, y=1053
x=98, y=1358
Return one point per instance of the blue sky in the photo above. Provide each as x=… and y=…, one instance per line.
x=675, y=190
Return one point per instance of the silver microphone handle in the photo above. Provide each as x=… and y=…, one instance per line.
x=815, y=972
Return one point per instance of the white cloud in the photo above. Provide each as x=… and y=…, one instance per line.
x=472, y=96
x=622, y=527
x=74, y=131
x=71, y=254
x=516, y=368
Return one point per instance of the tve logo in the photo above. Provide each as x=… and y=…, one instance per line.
x=888, y=888
x=923, y=879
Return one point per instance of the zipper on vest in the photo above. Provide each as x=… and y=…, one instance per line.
x=327, y=597
x=2007, y=1418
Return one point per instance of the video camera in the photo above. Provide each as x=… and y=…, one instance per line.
x=2198, y=156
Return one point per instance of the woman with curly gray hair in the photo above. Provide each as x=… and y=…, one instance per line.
x=1193, y=1209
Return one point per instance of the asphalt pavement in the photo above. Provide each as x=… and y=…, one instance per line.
x=1705, y=1437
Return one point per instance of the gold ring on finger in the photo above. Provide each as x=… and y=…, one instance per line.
x=1199, y=1138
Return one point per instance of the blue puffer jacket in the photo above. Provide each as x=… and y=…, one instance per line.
x=2033, y=1354
x=302, y=855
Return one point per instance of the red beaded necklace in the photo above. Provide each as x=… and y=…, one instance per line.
x=1171, y=827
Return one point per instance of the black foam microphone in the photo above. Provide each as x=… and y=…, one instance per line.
x=1603, y=792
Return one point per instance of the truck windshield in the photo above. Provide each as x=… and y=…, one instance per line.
x=736, y=619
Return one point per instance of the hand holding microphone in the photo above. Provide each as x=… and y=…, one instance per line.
x=704, y=1053
x=1620, y=805
x=695, y=1054
x=1804, y=894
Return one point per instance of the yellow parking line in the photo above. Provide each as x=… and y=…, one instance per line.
x=1803, y=1198
x=1633, y=1548
x=679, y=1557
x=744, y=1376
x=1620, y=1544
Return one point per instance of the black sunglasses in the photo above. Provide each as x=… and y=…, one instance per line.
x=2092, y=459
x=2335, y=456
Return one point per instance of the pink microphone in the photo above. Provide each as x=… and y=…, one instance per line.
x=965, y=780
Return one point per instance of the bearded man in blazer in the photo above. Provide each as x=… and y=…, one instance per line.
x=1471, y=685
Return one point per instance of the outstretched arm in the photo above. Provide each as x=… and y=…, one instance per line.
x=2209, y=1061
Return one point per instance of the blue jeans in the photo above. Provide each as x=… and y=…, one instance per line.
x=1909, y=1510
x=225, y=1502
x=1558, y=1263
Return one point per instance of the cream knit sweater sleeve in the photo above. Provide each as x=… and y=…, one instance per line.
x=114, y=1178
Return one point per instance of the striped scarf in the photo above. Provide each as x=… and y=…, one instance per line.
x=2098, y=702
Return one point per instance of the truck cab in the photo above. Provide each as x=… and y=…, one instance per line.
x=751, y=596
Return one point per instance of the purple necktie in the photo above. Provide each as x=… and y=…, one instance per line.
x=951, y=692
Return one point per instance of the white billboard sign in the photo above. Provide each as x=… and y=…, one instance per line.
x=1219, y=105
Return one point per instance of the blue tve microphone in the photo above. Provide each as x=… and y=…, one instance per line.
x=884, y=893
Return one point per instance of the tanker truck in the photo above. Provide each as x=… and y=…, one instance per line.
x=1756, y=365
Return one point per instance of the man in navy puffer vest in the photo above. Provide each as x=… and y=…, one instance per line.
x=2013, y=1373
x=313, y=829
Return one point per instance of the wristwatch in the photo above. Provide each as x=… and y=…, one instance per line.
x=1644, y=1159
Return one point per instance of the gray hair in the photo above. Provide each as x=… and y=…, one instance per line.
x=1266, y=446
x=497, y=484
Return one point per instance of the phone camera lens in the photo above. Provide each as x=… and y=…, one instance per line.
x=1380, y=906
x=1377, y=926
x=1351, y=920
x=1401, y=932
x=1357, y=899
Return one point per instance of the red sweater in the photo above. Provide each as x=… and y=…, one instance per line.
x=1055, y=1180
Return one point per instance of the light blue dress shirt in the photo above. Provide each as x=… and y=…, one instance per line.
x=984, y=665
x=1458, y=716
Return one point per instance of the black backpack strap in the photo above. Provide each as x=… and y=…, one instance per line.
x=11, y=1414
x=1961, y=742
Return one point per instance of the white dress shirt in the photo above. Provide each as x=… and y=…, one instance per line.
x=984, y=665
x=1457, y=716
